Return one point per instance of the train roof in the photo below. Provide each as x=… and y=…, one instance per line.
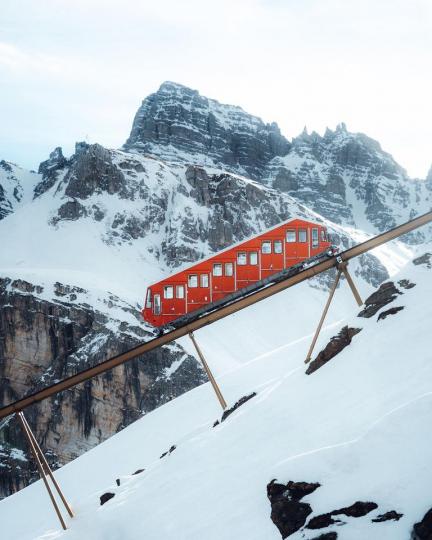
x=237, y=244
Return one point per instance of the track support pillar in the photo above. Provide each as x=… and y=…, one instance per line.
x=44, y=469
x=209, y=372
x=341, y=268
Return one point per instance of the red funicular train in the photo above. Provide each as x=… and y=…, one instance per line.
x=236, y=268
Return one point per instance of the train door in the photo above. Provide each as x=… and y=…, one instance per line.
x=291, y=246
x=247, y=267
x=223, y=278
x=303, y=245
x=198, y=290
x=278, y=255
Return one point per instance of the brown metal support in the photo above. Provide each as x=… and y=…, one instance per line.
x=213, y=316
x=323, y=316
x=47, y=467
x=209, y=373
x=39, y=464
x=344, y=267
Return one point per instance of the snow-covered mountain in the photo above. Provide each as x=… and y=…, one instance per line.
x=340, y=453
x=346, y=177
x=82, y=238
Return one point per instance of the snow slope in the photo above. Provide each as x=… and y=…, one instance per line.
x=358, y=426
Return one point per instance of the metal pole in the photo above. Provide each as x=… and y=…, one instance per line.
x=209, y=373
x=47, y=467
x=323, y=316
x=343, y=266
x=40, y=468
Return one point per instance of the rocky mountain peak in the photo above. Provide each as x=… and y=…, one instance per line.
x=176, y=123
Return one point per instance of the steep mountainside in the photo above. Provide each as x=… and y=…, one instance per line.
x=342, y=453
x=194, y=177
x=47, y=335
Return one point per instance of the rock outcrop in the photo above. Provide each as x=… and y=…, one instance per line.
x=177, y=123
x=43, y=341
x=334, y=347
x=343, y=176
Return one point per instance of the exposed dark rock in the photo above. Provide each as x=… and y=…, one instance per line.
x=41, y=342
x=425, y=259
x=106, y=497
x=388, y=516
x=386, y=293
x=181, y=124
x=423, y=529
x=406, y=284
x=238, y=404
x=326, y=536
x=118, y=481
x=321, y=521
x=334, y=347
x=168, y=452
x=139, y=471
x=391, y=311
x=49, y=170
x=358, y=509
x=287, y=512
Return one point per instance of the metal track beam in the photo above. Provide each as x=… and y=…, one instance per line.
x=214, y=316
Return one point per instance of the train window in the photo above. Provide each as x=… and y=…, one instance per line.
x=291, y=235
x=157, y=304
x=204, y=280
x=217, y=269
x=253, y=258
x=266, y=247
x=180, y=291
x=229, y=271
x=193, y=281
x=314, y=237
x=168, y=292
x=241, y=258
x=323, y=236
x=278, y=246
x=302, y=235
x=149, y=299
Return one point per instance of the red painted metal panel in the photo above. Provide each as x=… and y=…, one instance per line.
x=234, y=268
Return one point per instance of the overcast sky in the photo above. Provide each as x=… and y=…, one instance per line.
x=78, y=70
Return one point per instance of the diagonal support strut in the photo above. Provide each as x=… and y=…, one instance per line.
x=44, y=469
x=341, y=268
x=209, y=373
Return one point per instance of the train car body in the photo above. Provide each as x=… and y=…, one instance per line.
x=233, y=269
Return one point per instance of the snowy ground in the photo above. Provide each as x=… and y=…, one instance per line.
x=359, y=426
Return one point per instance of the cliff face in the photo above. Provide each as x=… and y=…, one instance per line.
x=178, y=123
x=346, y=177
x=42, y=341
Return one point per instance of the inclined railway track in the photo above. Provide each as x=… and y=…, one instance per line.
x=216, y=315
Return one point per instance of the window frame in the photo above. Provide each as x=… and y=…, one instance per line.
x=217, y=265
x=277, y=243
x=269, y=243
x=177, y=289
x=323, y=235
x=206, y=277
x=300, y=231
x=315, y=241
x=165, y=292
x=231, y=265
x=189, y=281
x=255, y=253
x=157, y=305
x=288, y=231
x=149, y=299
x=241, y=254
